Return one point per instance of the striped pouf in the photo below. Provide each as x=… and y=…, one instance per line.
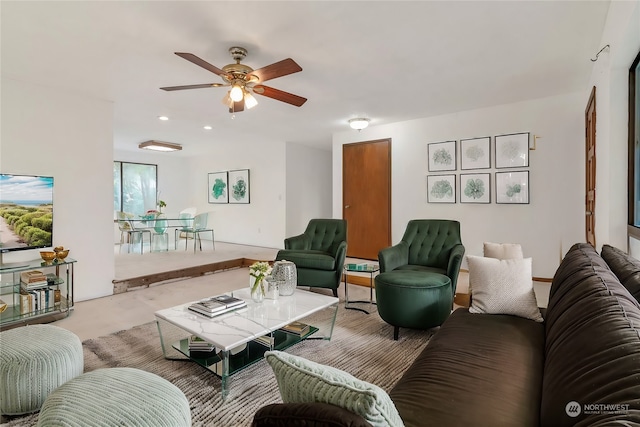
x=116, y=397
x=34, y=361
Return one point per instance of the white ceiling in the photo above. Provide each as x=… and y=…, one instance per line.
x=387, y=60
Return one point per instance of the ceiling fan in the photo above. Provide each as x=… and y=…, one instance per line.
x=245, y=81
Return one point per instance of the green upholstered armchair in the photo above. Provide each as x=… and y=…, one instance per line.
x=427, y=245
x=318, y=253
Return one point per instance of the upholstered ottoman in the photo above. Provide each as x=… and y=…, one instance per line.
x=34, y=361
x=116, y=397
x=413, y=299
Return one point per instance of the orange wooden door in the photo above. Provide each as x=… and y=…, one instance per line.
x=366, y=196
x=590, y=145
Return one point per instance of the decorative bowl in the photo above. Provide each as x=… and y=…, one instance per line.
x=58, y=249
x=47, y=256
x=62, y=254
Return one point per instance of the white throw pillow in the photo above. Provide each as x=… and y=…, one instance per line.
x=503, y=250
x=303, y=381
x=502, y=287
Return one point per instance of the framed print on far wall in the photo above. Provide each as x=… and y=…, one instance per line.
x=442, y=156
x=475, y=153
x=239, y=186
x=218, y=188
x=512, y=151
x=441, y=188
x=475, y=188
x=512, y=187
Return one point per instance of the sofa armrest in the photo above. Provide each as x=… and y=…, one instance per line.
x=393, y=257
x=301, y=242
x=307, y=414
x=339, y=256
x=453, y=268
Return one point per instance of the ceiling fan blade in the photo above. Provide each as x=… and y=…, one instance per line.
x=202, y=86
x=279, y=95
x=237, y=106
x=201, y=62
x=278, y=69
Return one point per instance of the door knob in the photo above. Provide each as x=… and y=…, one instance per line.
x=346, y=206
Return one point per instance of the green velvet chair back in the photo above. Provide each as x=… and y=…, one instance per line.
x=430, y=241
x=325, y=234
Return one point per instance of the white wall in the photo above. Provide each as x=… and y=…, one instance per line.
x=308, y=186
x=546, y=227
x=69, y=137
x=262, y=221
x=610, y=76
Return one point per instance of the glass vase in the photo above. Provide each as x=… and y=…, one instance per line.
x=257, y=288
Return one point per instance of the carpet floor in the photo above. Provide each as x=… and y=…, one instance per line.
x=361, y=345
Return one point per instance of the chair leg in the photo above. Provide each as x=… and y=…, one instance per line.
x=396, y=333
x=335, y=292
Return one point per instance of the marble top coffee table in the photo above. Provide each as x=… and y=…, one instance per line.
x=241, y=337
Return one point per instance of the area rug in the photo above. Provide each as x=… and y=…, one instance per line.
x=361, y=345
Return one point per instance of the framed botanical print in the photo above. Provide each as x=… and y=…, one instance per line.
x=239, y=186
x=218, y=187
x=475, y=188
x=441, y=188
x=512, y=187
x=475, y=153
x=512, y=151
x=442, y=156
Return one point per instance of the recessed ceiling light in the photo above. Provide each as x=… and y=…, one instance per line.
x=160, y=146
x=208, y=127
x=163, y=118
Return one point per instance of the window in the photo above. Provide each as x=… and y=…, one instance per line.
x=134, y=187
x=634, y=147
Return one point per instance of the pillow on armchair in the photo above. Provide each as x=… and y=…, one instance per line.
x=503, y=250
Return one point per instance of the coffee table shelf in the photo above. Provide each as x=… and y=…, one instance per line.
x=252, y=353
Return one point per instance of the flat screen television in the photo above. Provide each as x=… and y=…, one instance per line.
x=26, y=212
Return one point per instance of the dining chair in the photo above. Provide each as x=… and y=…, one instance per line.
x=127, y=227
x=199, y=226
x=186, y=221
x=160, y=236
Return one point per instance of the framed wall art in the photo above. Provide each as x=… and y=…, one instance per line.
x=475, y=188
x=218, y=187
x=442, y=156
x=475, y=153
x=512, y=151
x=512, y=187
x=441, y=188
x=239, y=186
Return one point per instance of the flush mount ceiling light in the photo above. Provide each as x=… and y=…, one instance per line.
x=160, y=146
x=163, y=118
x=359, y=123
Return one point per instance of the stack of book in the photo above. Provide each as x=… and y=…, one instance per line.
x=266, y=340
x=38, y=299
x=33, y=279
x=198, y=344
x=297, y=328
x=217, y=305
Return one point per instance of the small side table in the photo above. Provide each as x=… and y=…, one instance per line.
x=359, y=268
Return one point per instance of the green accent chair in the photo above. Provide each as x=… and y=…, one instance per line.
x=318, y=253
x=418, y=276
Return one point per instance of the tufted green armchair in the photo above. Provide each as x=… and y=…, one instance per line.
x=318, y=253
x=427, y=245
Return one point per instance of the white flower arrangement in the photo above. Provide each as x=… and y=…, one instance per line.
x=259, y=270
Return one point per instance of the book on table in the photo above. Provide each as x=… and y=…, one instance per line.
x=217, y=305
x=297, y=328
x=198, y=344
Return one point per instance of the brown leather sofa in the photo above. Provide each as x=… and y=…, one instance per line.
x=581, y=367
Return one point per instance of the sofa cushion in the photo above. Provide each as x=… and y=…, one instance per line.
x=316, y=260
x=304, y=381
x=502, y=287
x=625, y=267
x=477, y=370
x=592, y=344
x=502, y=250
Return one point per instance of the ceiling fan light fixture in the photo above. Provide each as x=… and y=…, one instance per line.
x=236, y=93
x=250, y=101
x=226, y=100
x=160, y=146
x=359, y=123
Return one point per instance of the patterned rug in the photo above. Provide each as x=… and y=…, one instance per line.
x=361, y=345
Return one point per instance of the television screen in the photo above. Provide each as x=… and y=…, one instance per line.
x=26, y=212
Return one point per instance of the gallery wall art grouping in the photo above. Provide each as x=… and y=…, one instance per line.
x=510, y=151
x=229, y=186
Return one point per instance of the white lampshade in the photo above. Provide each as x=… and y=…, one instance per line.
x=359, y=123
x=250, y=101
